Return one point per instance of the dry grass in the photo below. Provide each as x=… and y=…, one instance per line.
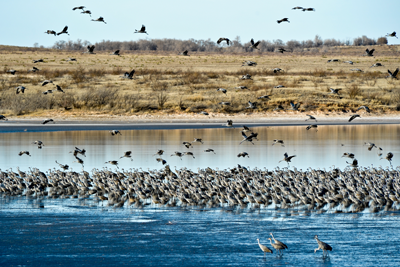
x=188, y=84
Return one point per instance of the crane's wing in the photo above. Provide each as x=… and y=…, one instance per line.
x=143, y=28
x=395, y=72
x=220, y=40
x=256, y=44
x=252, y=41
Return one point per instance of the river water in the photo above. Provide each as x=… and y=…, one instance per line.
x=85, y=232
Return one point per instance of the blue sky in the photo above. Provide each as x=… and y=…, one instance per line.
x=24, y=22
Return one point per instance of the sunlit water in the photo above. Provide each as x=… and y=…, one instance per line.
x=67, y=232
x=322, y=149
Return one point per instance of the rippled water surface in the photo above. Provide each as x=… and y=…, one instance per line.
x=85, y=232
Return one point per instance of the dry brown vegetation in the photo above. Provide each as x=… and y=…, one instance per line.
x=165, y=82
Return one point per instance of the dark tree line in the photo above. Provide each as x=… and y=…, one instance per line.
x=209, y=45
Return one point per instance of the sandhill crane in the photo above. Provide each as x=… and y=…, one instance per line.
x=364, y=107
x=393, y=34
x=278, y=141
x=335, y=91
x=142, y=30
x=189, y=154
x=113, y=162
x=242, y=87
x=309, y=9
x=394, y=74
x=287, y=158
x=87, y=12
x=47, y=92
x=59, y=89
x=116, y=53
x=297, y=7
x=312, y=126
x=198, y=140
x=47, y=121
x=210, y=150
x=159, y=152
x=282, y=20
x=127, y=154
x=37, y=60
x=333, y=60
x=246, y=77
x=79, y=160
x=90, y=49
x=77, y=151
x=265, y=249
x=79, y=7
x=281, y=50
x=322, y=245
x=243, y=154
x=251, y=105
x=276, y=70
x=254, y=45
x=278, y=242
x=279, y=86
x=100, y=19
x=65, y=30
x=348, y=155
x=310, y=117
x=3, y=118
x=229, y=123
x=24, y=152
x=248, y=138
x=204, y=113
x=353, y=164
x=46, y=82
x=223, y=39
x=34, y=69
x=370, y=145
x=225, y=103
x=163, y=161
x=349, y=62
x=368, y=52
x=128, y=75
x=377, y=65
x=265, y=97
x=179, y=154
x=184, y=53
x=249, y=63
x=276, y=246
x=187, y=144
x=39, y=144
x=62, y=166
x=357, y=70
x=246, y=129
x=279, y=107
x=389, y=157
x=71, y=59
x=51, y=32
x=115, y=132
x=353, y=117
x=12, y=72
x=20, y=89
x=221, y=90
x=295, y=106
